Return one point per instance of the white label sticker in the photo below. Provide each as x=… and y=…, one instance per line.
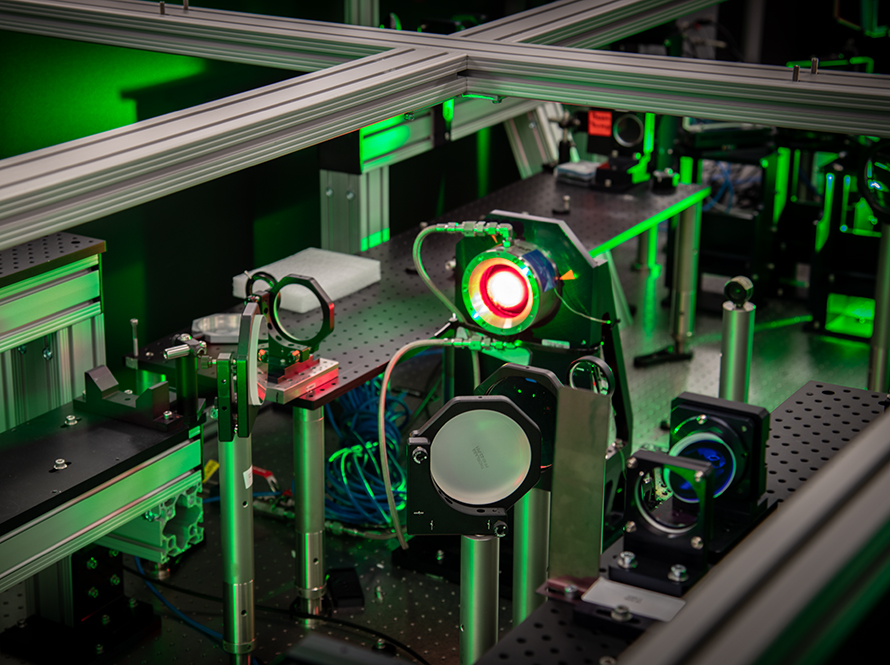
x=645, y=603
x=248, y=478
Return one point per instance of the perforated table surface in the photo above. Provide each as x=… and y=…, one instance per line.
x=806, y=431
x=372, y=324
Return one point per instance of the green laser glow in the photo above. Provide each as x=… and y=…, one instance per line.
x=824, y=225
x=850, y=315
x=483, y=143
x=375, y=239
x=692, y=199
x=686, y=169
x=375, y=146
x=649, y=138
x=782, y=166
x=57, y=90
x=448, y=110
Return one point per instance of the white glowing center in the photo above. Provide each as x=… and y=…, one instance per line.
x=506, y=288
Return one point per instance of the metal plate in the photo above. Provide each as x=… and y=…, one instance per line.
x=44, y=254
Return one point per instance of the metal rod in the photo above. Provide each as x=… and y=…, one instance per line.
x=685, y=276
x=309, y=509
x=236, y=508
x=647, y=245
x=531, y=552
x=737, y=344
x=448, y=372
x=879, y=357
x=478, y=596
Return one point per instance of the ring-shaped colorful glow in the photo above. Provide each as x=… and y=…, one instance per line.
x=710, y=448
x=501, y=294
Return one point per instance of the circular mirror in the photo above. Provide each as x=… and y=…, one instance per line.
x=661, y=507
x=480, y=457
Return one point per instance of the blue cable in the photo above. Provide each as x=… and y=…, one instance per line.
x=355, y=493
x=178, y=613
x=191, y=622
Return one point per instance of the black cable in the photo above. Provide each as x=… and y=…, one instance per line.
x=292, y=613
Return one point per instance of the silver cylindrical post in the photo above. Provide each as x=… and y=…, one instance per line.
x=879, y=357
x=478, y=596
x=647, y=245
x=236, y=508
x=531, y=552
x=683, y=296
x=309, y=509
x=738, y=342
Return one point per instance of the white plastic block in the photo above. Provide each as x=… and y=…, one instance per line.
x=338, y=274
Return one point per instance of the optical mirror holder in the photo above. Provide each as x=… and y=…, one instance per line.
x=470, y=463
x=709, y=427
x=657, y=545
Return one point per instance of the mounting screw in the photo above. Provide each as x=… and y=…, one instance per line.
x=699, y=476
x=106, y=619
x=630, y=527
x=99, y=648
x=128, y=392
x=328, y=191
x=92, y=564
x=632, y=463
x=70, y=421
x=47, y=354
x=621, y=613
x=678, y=573
x=133, y=603
x=627, y=560
x=440, y=555
x=60, y=464
x=701, y=419
x=570, y=590
x=697, y=543
x=93, y=592
x=532, y=125
x=115, y=580
x=350, y=195
x=168, y=415
x=500, y=529
x=420, y=455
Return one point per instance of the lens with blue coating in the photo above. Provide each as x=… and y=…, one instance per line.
x=709, y=448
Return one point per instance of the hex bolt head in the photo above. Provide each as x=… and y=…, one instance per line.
x=168, y=415
x=570, y=591
x=678, y=573
x=630, y=527
x=106, y=619
x=627, y=560
x=70, y=420
x=632, y=463
x=697, y=543
x=621, y=613
x=420, y=455
x=133, y=603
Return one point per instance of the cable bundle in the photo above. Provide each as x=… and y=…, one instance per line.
x=355, y=489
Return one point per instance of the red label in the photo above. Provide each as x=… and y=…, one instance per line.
x=599, y=123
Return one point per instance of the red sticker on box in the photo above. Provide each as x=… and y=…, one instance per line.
x=599, y=123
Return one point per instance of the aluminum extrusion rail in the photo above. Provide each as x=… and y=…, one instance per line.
x=298, y=44
x=62, y=186
x=583, y=23
x=843, y=102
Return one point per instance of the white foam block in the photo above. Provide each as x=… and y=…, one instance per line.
x=338, y=274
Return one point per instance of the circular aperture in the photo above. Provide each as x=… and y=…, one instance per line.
x=628, y=130
x=500, y=295
x=662, y=508
x=709, y=448
x=506, y=289
x=480, y=457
